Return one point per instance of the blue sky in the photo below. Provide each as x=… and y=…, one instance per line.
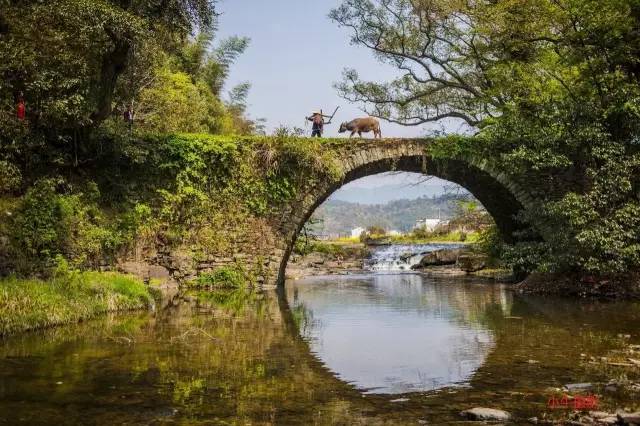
x=295, y=56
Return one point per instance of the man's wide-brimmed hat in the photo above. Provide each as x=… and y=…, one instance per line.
x=316, y=112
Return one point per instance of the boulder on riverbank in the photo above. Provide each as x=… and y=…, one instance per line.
x=460, y=262
x=440, y=257
x=471, y=262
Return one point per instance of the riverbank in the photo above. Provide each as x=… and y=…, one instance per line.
x=454, y=237
x=620, y=286
x=499, y=275
x=70, y=297
x=342, y=258
x=327, y=258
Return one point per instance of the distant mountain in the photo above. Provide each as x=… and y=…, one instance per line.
x=340, y=217
x=383, y=194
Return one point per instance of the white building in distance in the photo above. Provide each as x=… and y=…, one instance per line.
x=431, y=224
x=356, y=232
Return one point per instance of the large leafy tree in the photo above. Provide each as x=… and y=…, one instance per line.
x=66, y=56
x=441, y=55
x=471, y=59
x=551, y=85
x=183, y=92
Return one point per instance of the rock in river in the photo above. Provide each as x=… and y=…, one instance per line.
x=630, y=418
x=440, y=257
x=578, y=387
x=471, y=262
x=482, y=414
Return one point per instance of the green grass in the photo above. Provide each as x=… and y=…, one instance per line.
x=451, y=237
x=347, y=240
x=29, y=304
x=333, y=249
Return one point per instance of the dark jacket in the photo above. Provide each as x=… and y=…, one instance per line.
x=318, y=121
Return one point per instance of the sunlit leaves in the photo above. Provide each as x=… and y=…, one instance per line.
x=553, y=86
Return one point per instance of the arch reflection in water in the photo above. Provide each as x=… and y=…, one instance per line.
x=397, y=333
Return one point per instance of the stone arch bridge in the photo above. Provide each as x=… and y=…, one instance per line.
x=503, y=198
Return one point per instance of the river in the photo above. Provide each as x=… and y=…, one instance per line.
x=377, y=348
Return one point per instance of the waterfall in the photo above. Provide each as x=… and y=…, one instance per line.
x=401, y=257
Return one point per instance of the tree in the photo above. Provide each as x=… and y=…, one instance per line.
x=472, y=60
x=437, y=47
x=182, y=92
x=173, y=104
x=551, y=87
x=80, y=64
x=67, y=55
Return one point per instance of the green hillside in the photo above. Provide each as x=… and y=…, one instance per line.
x=340, y=217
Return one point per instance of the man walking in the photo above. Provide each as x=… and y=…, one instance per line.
x=318, y=124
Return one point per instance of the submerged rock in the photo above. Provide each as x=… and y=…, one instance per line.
x=483, y=414
x=578, y=387
x=611, y=388
x=630, y=418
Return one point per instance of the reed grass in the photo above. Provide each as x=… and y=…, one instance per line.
x=29, y=304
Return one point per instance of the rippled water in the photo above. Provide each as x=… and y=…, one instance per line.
x=391, y=349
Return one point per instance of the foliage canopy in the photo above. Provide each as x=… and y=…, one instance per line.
x=551, y=88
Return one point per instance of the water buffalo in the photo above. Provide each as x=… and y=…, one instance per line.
x=360, y=125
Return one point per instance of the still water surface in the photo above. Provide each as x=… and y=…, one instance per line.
x=361, y=327
x=373, y=349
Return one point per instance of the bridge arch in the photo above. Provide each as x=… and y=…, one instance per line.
x=502, y=198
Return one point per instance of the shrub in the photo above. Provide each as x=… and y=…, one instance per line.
x=490, y=243
x=38, y=232
x=528, y=257
x=47, y=224
x=222, y=278
x=422, y=232
x=10, y=177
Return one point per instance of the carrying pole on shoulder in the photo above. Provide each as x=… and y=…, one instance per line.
x=332, y=115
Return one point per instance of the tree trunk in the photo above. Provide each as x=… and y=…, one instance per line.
x=114, y=64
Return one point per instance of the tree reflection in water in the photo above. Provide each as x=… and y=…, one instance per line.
x=236, y=359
